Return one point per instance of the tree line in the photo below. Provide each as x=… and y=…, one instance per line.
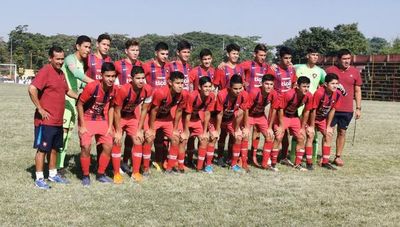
x=30, y=49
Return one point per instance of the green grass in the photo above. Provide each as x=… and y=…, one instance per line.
x=364, y=192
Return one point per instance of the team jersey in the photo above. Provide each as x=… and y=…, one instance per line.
x=290, y=102
x=52, y=89
x=222, y=77
x=254, y=73
x=163, y=99
x=196, y=106
x=74, y=72
x=284, y=79
x=324, y=102
x=94, y=66
x=316, y=75
x=348, y=78
x=96, y=101
x=123, y=69
x=257, y=102
x=198, y=72
x=128, y=99
x=185, y=69
x=229, y=104
x=156, y=76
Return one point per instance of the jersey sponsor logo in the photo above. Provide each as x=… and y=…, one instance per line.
x=160, y=82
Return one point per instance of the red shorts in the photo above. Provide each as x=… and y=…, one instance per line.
x=98, y=129
x=196, y=128
x=291, y=123
x=261, y=123
x=130, y=126
x=320, y=125
x=167, y=126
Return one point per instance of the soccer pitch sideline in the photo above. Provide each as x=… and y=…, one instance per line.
x=364, y=192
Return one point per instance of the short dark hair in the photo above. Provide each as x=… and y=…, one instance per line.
x=176, y=75
x=183, y=44
x=131, y=42
x=103, y=37
x=205, y=52
x=203, y=80
x=107, y=66
x=235, y=79
x=331, y=76
x=342, y=52
x=268, y=77
x=136, y=70
x=232, y=47
x=83, y=39
x=285, y=51
x=161, y=46
x=260, y=47
x=56, y=49
x=303, y=80
x=311, y=50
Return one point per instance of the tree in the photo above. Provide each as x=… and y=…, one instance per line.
x=4, y=54
x=395, y=49
x=378, y=45
x=348, y=36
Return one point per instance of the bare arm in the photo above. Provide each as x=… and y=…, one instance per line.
x=82, y=125
x=72, y=94
x=357, y=93
x=33, y=94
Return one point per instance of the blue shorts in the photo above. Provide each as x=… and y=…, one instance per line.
x=342, y=119
x=48, y=137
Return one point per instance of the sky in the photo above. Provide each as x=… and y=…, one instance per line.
x=273, y=21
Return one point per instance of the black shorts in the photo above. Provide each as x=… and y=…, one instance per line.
x=342, y=119
x=48, y=137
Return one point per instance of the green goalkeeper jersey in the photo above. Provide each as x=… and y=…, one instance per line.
x=316, y=75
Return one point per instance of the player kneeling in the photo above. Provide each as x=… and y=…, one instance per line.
x=259, y=99
x=95, y=119
x=289, y=119
x=130, y=109
x=198, y=107
x=326, y=99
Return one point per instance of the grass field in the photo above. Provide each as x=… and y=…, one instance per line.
x=365, y=192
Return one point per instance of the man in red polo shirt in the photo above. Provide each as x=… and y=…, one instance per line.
x=199, y=105
x=96, y=60
x=182, y=63
x=350, y=80
x=259, y=99
x=232, y=108
x=288, y=118
x=230, y=68
x=162, y=117
x=130, y=110
x=325, y=101
x=204, y=69
x=124, y=68
x=157, y=70
x=47, y=93
x=95, y=116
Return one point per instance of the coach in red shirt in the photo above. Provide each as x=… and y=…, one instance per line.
x=350, y=79
x=47, y=93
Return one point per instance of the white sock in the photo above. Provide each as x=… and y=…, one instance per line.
x=52, y=172
x=39, y=175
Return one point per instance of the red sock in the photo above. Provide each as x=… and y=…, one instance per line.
x=103, y=163
x=326, y=152
x=244, y=152
x=299, y=156
x=85, y=164
x=137, y=152
x=210, y=154
x=309, y=151
x=181, y=159
x=274, y=156
x=146, y=156
x=116, y=158
x=266, y=153
x=201, y=157
x=235, y=153
x=172, y=156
